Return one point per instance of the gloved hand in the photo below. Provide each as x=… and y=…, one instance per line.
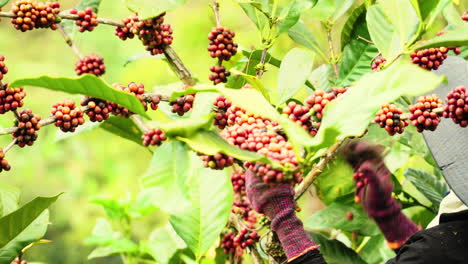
x=374, y=191
x=278, y=204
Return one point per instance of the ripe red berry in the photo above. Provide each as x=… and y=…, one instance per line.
x=219, y=74
x=136, y=89
x=238, y=181
x=92, y=64
x=227, y=243
x=4, y=166
x=349, y=215
x=25, y=15
x=389, y=118
x=222, y=105
x=28, y=125
x=465, y=16
x=429, y=59
x=47, y=15
x=424, y=115
x=218, y=161
x=3, y=67
x=222, y=45
x=317, y=102
x=300, y=114
x=67, y=116
x=155, y=100
x=87, y=19
x=457, y=106
x=246, y=238
x=153, y=137
x=183, y=104
x=10, y=98
x=97, y=110
x=378, y=63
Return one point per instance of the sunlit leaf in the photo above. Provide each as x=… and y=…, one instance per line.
x=300, y=34
x=383, y=34
x=454, y=38
x=356, y=61
x=163, y=243
x=147, y=9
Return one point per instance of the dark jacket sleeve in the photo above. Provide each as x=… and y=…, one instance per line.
x=311, y=257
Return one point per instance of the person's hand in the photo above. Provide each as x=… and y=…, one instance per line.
x=278, y=204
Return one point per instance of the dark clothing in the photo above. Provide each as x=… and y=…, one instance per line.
x=446, y=243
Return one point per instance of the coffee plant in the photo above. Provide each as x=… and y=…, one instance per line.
x=361, y=68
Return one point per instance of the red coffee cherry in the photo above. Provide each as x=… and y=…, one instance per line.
x=429, y=59
x=155, y=100
x=349, y=215
x=218, y=161
x=423, y=114
x=457, y=106
x=389, y=118
x=28, y=125
x=183, y=104
x=92, y=64
x=219, y=74
x=97, y=110
x=153, y=137
x=11, y=98
x=4, y=166
x=317, y=102
x=47, y=15
x=221, y=118
x=301, y=116
x=3, y=67
x=137, y=89
x=246, y=238
x=222, y=45
x=465, y=16
x=87, y=19
x=378, y=64
x=67, y=116
x=227, y=243
x=238, y=181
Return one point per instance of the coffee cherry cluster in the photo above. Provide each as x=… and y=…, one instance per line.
x=183, y=104
x=155, y=100
x=465, y=16
x=424, y=115
x=17, y=261
x=10, y=98
x=246, y=238
x=4, y=166
x=3, y=67
x=242, y=207
x=152, y=32
x=429, y=59
x=222, y=105
x=218, y=161
x=378, y=63
x=92, y=64
x=87, y=19
x=238, y=181
x=222, y=45
x=300, y=114
x=67, y=116
x=389, y=118
x=227, y=243
x=137, y=89
x=219, y=74
x=457, y=106
x=30, y=14
x=98, y=110
x=28, y=125
x=153, y=137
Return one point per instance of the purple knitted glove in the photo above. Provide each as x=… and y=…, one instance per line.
x=278, y=204
x=374, y=190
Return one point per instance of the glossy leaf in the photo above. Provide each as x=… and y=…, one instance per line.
x=12, y=224
x=254, y=81
x=9, y=199
x=382, y=33
x=403, y=17
x=123, y=127
x=335, y=181
x=258, y=18
x=204, y=104
x=167, y=177
x=356, y=61
x=430, y=10
x=186, y=127
x=350, y=25
x=86, y=127
x=335, y=216
x=431, y=187
x=202, y=223
x=3, y=3
x=300, y=34
x=341, y=7
x=147, y=9
x=336, y=252
x=163, y=243
x=295, y=67
x=452, y=15
x=256, y=55
x=323, y=10
x=322, y=77
x=454, y=38
x=87, y=85
x=291, y=13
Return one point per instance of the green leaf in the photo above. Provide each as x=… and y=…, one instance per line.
x=163, y=243
x=464, y=52
x=300, y=34
x=115, y=209
x=256, y=55
x=9, y=199
x=382, y=33
x=364, y=100
x=403, y=17
x=334, y=216
x=350, y=25
x=323, y=10
x=430, y=10
x=167, y=176
x=94, y=4
x=186, y=127
x=356, y=61
x=119, y=246
x=335, y=181
x=336, y=252
x=87, y=85
x=210, y=143
x=291, y=14
x=86, y=127
x=143, y=55
x=341, y=7
x=201, y=225
x=454, y=38
x=322, y=77
x=376, y=250
x=3, y=3
x=254, y=81
x=257, y=17
x=431, y=187
x=452, y=15
x=123, y=127
x=204, y=104
x=295, y=68
x=147, y=9
x=32, y=233
x=11, y=225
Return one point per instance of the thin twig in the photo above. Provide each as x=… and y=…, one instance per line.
x=366, y=40
x=69, y=41
x=141, y=125
x=332, y=52
x=178, y=66
x=215, y=7
x=15, y=112
x=100, y=20
x=262, y=63
x=12, y=143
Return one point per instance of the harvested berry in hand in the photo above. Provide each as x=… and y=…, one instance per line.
x=219, y=74
x=87, y=19
x=222, y=105
x=67, y=116
x=183, y=104
x=424, y=114
x=457, y=106
x=238, y=181
x=218, y=161
x=47, y=15
x=429, y=59
x=155, y=100
x=221, y=44
x=11, y=98
x=92, y=64
x=136, y=89
x=301, y=116
x=378, y=64
x=153, y=137
x=97, y=110
x=25, y=15
x=4, y=166
x=389, y=118
x=28, y=125
x=3, y=67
